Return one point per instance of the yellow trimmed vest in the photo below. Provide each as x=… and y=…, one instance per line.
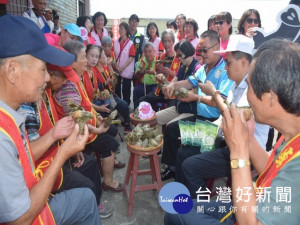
x=43, y=163
x=174, y=67
x=9, y=127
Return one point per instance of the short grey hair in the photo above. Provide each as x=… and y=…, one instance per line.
x=168, y=31
x=22, y=59
x=74, y=47
x=2, y=61
x=277, y=69
x=147, y=45
x=106, y=40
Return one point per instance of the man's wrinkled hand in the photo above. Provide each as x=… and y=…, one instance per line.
x=79, y=159
x=208, y=88
x=189, y=98
x=63, y=128
x=75, y=142
x=168, y=92
x=235, y=129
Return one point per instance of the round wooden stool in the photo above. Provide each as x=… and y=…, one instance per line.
x=133, y=171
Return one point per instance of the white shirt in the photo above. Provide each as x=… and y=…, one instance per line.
x=38, y=20
x=238, y=95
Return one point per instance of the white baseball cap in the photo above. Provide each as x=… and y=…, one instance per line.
x=240, y=43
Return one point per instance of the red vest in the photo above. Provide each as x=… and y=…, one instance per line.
x=91, y=88
x=174, y=67
x=102, y=78
x=86, y=104
x=9, y=127
x=289, y=152
x=112, y=54
x=46, y=124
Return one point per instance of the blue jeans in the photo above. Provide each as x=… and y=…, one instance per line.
x=205, y=217
x=123, y=108
x=76, y=206
x=100, y=102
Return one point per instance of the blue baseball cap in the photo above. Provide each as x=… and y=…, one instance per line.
x=21, y=36
x=74, y=30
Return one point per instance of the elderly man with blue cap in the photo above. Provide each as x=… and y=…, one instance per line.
x=25, y=196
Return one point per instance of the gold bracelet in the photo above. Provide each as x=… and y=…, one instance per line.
x=239, y=163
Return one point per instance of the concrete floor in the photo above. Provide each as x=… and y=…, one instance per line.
x=146, y=209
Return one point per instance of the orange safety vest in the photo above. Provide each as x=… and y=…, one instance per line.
x=9, y=127
x=174, y=67
x=46, y=124
x=86, y=104
x=91, y=88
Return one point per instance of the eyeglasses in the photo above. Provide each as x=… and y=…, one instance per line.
x=250, y=20
x=219, y=22
x=205, y=50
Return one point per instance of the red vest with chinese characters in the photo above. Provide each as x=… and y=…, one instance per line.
x=43, y=163
x=174, y=67
x=9, y=127
x=289, y=152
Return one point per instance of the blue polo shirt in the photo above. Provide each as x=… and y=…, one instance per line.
x=218, y=76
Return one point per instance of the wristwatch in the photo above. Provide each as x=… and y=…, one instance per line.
x=239, y=163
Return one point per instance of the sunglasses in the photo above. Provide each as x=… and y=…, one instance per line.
x=205, y=50
x=250, y=20
x=219, y=22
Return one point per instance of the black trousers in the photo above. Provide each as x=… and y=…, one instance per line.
x=152, y=99
x=194, y=168
x=104, y=143
x=171, y=142
x=85, y=176
x=123, y=86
